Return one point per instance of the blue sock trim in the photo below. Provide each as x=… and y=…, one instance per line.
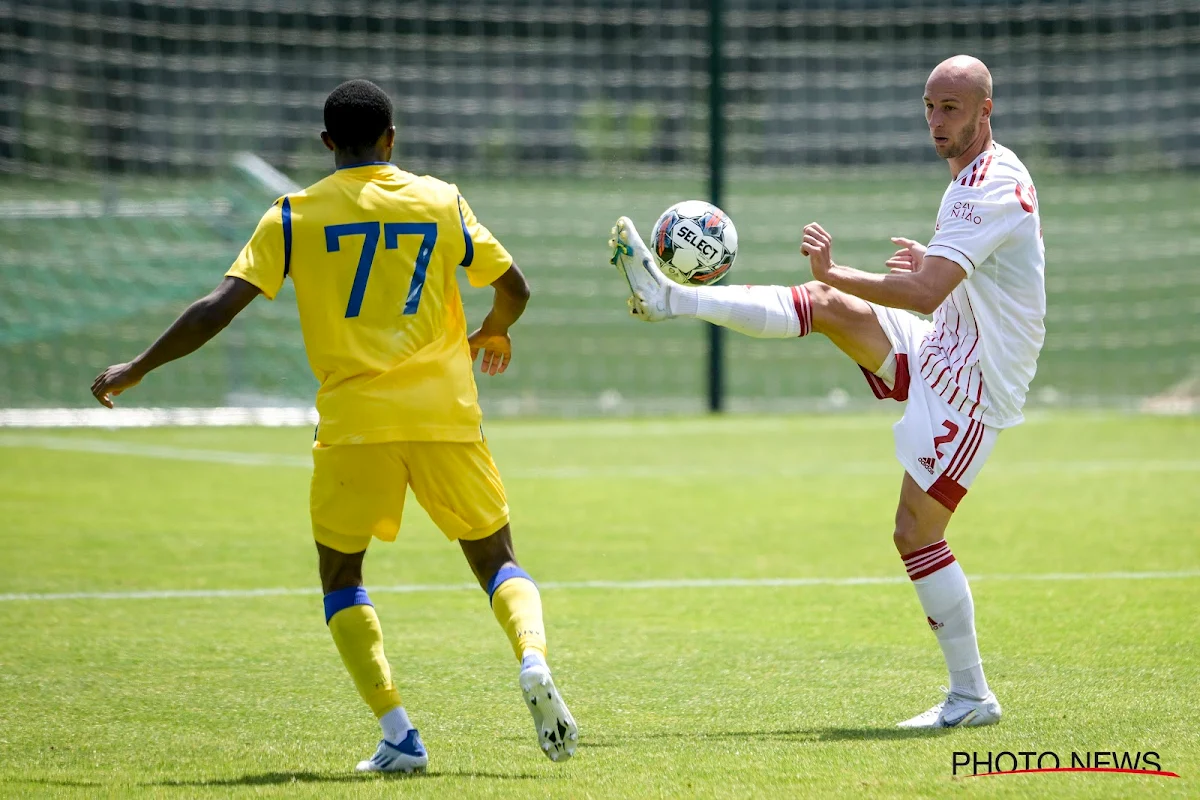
x=343, y=599
x=506, y=573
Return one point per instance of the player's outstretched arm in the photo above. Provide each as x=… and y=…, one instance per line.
x=916, y=282
x=508, y=304
x=202, y=320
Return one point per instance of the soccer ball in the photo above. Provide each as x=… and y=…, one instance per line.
x=694, y=242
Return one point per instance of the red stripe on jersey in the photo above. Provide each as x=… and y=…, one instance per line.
x=983, y=172
x=971, y=181
x=960, y=252
x=933, y=351
x=978, y=336
x=967, y=389
x=966, y=359
x=958, y=318
x=979, y=393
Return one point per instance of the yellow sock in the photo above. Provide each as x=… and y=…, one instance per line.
x=518, y=608
x=359, y=638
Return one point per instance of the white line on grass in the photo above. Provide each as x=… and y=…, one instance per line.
x=631, y=585
x=106, y=447
x=569, y=472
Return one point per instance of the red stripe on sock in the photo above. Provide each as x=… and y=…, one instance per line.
x=803, y=303
x=924, y=561
x=926, y=549
x=947, y=561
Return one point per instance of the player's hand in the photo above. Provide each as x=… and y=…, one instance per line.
x=818, y=246
x=113, y=381
x=496, y=347
x=908, y=258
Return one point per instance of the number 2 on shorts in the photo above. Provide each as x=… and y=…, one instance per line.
x=945, y=438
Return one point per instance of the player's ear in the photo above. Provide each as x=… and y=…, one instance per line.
x=985, y=109
x=328, y=141
x=389, y=138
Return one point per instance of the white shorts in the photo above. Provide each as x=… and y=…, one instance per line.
x=942, y=448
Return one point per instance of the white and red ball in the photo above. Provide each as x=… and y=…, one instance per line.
x=694, y=242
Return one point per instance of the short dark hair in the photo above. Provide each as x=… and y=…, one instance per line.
x=356, y=114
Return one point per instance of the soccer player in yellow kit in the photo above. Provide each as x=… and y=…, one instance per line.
x=373, y=251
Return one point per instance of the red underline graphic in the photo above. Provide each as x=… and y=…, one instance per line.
x=1160, y=773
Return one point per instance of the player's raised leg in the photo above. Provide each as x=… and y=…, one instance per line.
x=945, y=597
x=358, y=635
x=764, y=312
x=517, y=605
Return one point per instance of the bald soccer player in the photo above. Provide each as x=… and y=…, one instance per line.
x=964, y=376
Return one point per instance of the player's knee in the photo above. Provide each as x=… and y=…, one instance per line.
x=912, y=532
x=908, y=535
x=830, y=311
x=339, y=570
x=489, y=555
x=904, y=541
x=822, y=295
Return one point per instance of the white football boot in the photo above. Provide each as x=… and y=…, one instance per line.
x=957, y=711
x=557, y=732
x=651, y=289
x=407, y=756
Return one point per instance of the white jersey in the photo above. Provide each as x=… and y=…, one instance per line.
x=982, y=352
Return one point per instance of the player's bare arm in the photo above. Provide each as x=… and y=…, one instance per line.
x=508, y=304
x=921, y=287
x=201, y=321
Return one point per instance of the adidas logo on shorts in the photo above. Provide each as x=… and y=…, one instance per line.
x=927, y=463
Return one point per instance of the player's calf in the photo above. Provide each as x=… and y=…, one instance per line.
x=518, y=608
x=517, y=604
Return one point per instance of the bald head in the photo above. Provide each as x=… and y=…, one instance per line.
x=958, y=108
x=963, y=75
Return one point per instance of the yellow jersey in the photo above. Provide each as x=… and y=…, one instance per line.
x=373, y=252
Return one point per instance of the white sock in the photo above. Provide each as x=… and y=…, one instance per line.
x=946, y=599
x=764, y=312
x=530, y=658
x=395, y=725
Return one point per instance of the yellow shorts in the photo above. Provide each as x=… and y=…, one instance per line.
x=358, y=491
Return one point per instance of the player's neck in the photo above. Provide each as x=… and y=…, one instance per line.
x=959, y=163
x=353, y=158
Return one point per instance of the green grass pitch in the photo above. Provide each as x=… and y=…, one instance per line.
x=726, y=691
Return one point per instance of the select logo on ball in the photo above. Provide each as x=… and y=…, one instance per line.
x=694, y=242
x=688, y=232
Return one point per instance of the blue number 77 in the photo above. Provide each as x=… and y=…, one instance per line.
x=392, y=231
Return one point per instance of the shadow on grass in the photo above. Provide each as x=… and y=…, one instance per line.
x=280, y=778
x=794, y=735
x=54, y=782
